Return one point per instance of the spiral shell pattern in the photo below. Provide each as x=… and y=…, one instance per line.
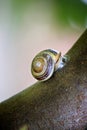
x=44, y=64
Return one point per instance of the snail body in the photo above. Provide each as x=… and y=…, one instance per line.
x=45, y=63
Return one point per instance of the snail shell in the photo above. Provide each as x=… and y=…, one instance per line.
x=44, y=64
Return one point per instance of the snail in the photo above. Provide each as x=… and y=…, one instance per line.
x=45, y=64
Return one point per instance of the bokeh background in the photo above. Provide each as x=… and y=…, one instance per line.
x=29, y=26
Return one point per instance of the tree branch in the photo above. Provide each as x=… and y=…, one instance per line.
x=60, y=103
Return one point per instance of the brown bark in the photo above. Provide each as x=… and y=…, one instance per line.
x=60, y=103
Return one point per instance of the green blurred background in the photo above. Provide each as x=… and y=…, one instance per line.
x=29, y=26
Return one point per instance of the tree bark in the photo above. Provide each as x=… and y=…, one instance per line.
x=59, y=103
